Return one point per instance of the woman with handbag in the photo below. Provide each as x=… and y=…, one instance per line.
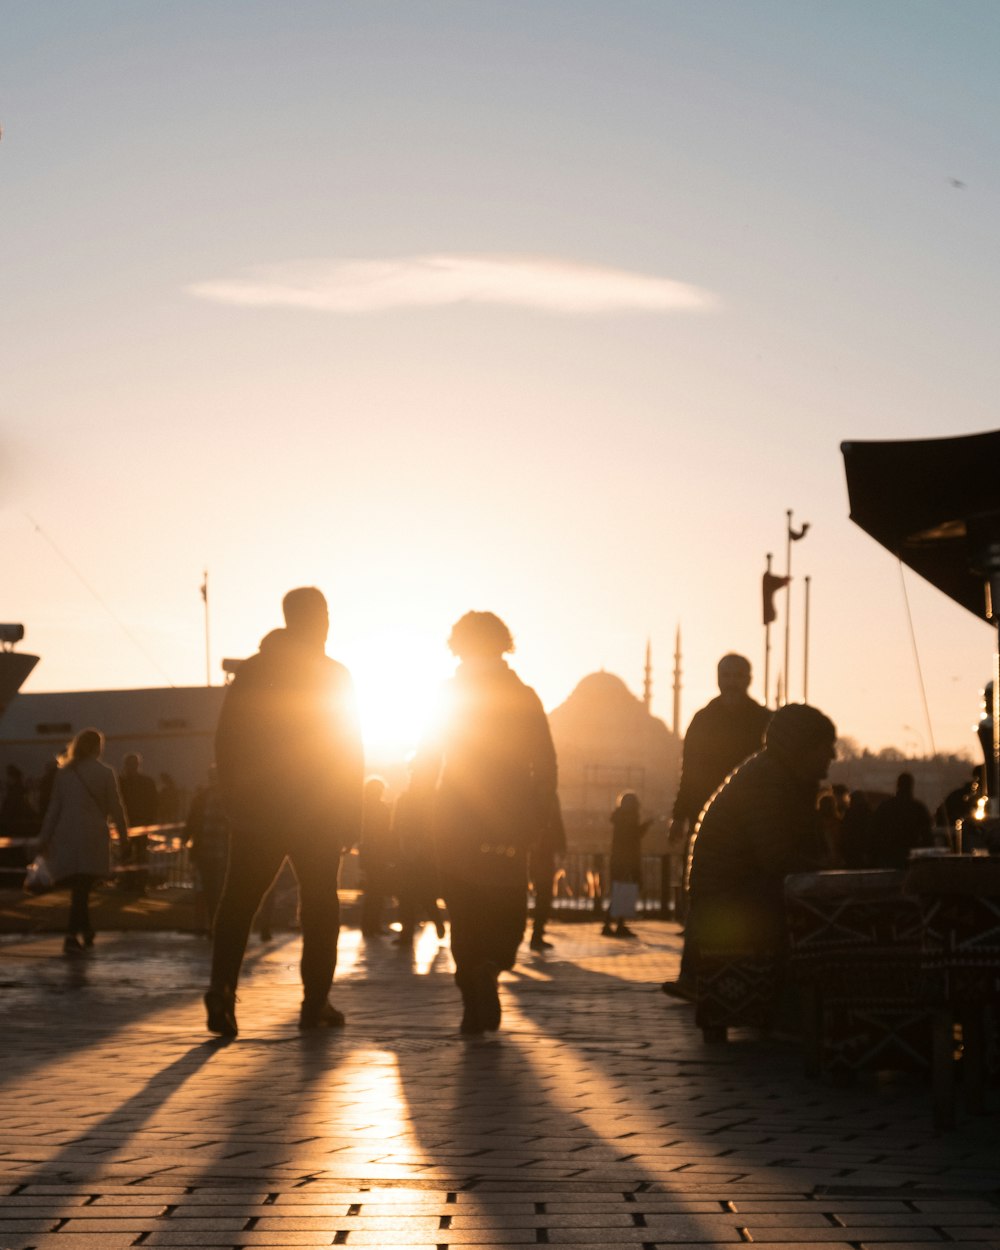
x=75, y=840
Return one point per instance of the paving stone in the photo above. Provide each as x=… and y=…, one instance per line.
x=981, y=1205
x=72, y=1241
x=867, y=1235
x=913, y=1218
x=922, y=1245
x=596, y=1116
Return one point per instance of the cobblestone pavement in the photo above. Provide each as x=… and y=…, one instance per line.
x=597, y=1117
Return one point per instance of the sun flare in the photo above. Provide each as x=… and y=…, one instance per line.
x=398, y=674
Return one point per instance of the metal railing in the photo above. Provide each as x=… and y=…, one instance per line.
x=583, y=884
x=157, y=856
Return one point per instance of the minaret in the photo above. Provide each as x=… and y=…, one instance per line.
x=677, y=682
x=647, y=684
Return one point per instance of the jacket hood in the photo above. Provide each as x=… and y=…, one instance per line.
x=281, y=640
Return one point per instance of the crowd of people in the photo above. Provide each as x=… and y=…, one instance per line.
x=479, y=819
x=25, y=800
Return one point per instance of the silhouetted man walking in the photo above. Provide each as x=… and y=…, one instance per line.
x=721, y=736
x=290, y=768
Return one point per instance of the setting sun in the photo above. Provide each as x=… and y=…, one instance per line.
x=398, y=675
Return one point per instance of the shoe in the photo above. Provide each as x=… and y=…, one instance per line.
x=221, y=1008
x=488, y=996
x=678, y=989
x=623, y=931
x=88, y=938
x=72, y=945
x=321, y=1016
x=607, y=931
x=538, y=943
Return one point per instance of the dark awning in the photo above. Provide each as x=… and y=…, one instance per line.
x=935, y=503
x=14, y=669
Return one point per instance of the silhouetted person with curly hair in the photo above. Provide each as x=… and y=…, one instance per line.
x=487, y=783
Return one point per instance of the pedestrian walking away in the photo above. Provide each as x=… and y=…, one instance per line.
x=487, y=781
x=290, y=768
x=74, y=839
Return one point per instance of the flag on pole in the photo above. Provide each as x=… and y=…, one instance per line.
x=795, y=534
x=771, y=585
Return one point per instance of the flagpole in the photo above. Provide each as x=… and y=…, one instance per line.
x=805, y=657
x=788, y=603
x=208, y=648
x=767, y=647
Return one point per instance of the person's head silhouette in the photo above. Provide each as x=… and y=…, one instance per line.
x=306, y=614
x=480, y=636
x=734, y=675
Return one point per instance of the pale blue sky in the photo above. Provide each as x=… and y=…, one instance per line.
x=595, y=477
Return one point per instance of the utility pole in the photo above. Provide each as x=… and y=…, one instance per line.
x=788, y=606
x=805, y=656
x=208, y=647
x=677, y=682
x=767, y=640
x=792, y=536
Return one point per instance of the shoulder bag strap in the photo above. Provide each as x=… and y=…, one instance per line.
x=96, y=801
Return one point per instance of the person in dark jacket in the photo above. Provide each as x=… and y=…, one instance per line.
x=627, y=832
x=721, y=736
x=207, y=835
x=290, y=769
x=138, y=791
x=543, y=855
x=489, y=776
x=18, y=819
x=856, y=833
x=417, y=883
x=899, y=825
x=140, y=799
x=760, y=826
x=379, y=856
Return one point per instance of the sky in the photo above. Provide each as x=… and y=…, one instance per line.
x=552, y=308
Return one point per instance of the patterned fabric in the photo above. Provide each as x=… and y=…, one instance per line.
x=856, y=944
x=960, y=911
x=736, y=991
x=960, y=950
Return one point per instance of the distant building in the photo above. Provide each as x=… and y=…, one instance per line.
x=607, y=741
x=172, y=729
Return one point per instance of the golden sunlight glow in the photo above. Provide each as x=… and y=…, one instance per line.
x=430, y=953
x=398, y=674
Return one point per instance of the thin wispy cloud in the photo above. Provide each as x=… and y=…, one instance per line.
x=538, y=282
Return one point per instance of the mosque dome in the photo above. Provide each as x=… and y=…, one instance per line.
x=607, y=740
